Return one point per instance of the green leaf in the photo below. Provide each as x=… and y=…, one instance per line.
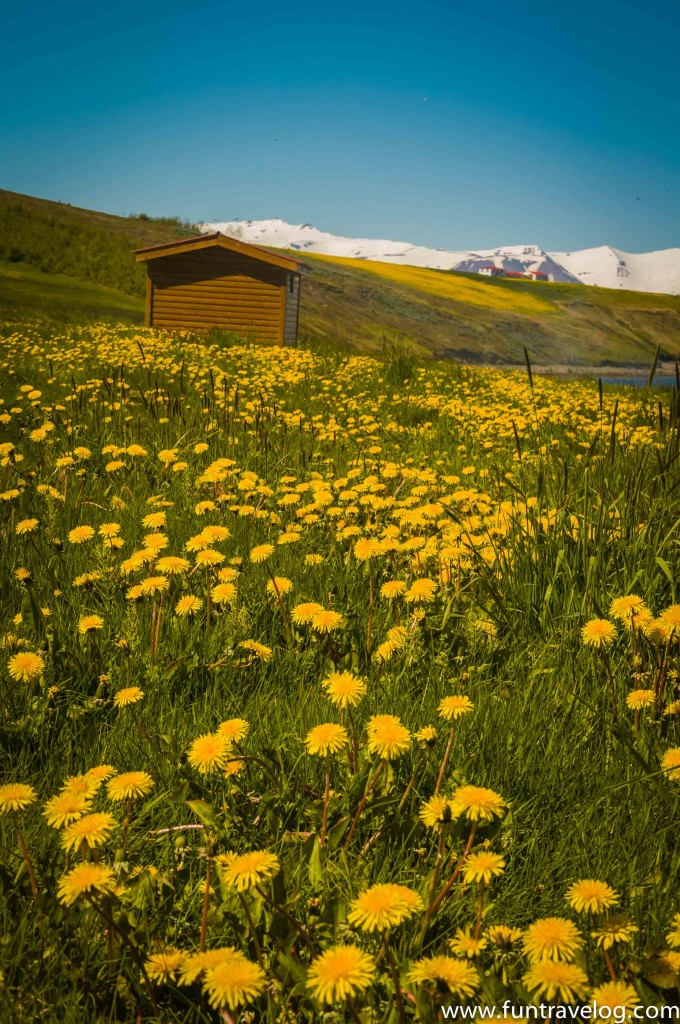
x=203, y=810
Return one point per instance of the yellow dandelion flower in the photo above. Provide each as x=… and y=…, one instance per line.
x=556, y=979
x=26, y=666
x=85, y=878
x=670, y=617
x=261, y=553
x=344, y=689
x=504, y=936
x=421, y=591
x=302, y=614
x=326, y=739
x=383, y=906
x=208, y=753
x=279, y=586
x=453, y=708
x=389, y=739
x=428, y=735
x=64, y=808
x=154, y=585
x=260, y=650
x=209, y=556
x=196, y=963
x=590, y=896
x=246, y=870
x=188, y=605
x=477, y=803
x=614, y=995
x=639, y=699
x=460, y=977
x=129, y=785
x=340, y=973
x=392, y=589
x=436, y=811
x=552, y=938
x=613, y=930
x=598, y=633
x=172, y=565
x=464, y=944
x=165, y=966
x=670, y=763
x=366, y=548
x=673, y=936
x=326, y=621
x=128, y=695
x=80, y=534
x=26, y=526
x=627, y=609
x=15, y=796
x=92, y=829
x=483, y=866
x=233, y=982
x=89, y=623
x=234, y=729
x=223, y=593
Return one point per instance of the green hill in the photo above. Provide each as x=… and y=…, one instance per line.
x=351, y=303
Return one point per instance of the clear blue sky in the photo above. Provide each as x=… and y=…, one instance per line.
x=450, y=124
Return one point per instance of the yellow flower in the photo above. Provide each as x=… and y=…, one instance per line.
x=261, y=553
x=26, y=526
x=392, y=589
x=552, y=938
x=279, y=586
x=340, y=973
x=428, y=734
x=85, y=878
x=209, y=557
x=383, y=906
x=154, y=520
x=638, y=699
x=503, y=936
x=208, y=753
x=557, y=979
x=344, y=689
x=233, y=730
x=671, y=617
x=196, y=963
x=26, y=666
x=65, y=808
x=590, y=896
x=164, y=966
x=614, y=994
x=233, y=982
x=452, y=708
x=88, y=623
x=598, y=633
x=326, y=621
x=613, y=930
x=246, y=870
x=326, y=739
x=188, y=605
x=171, y=565
x=366, y=548
x=260, y=650
x=477, y=803
x=388, y=739
x=436, y=811
x=627, y=609
x=223, y=593
x=128, y=695
x=302, y=614
x=483, y=866
x=421, y=591
x=128, y=785
x=464, y=944
x=673, y=936
x=155, y=584
x=15, y=796
x=670, y=763
x=460, y=977
x=92, y=829
x=80, y=534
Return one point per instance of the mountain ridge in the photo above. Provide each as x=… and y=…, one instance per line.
x=604, y=266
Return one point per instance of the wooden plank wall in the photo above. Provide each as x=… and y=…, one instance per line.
x=290, y=331
x=217, y=288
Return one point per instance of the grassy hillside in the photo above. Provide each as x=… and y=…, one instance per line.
x=62, y=297
x=349, y=303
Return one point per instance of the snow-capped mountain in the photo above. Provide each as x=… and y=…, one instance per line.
x=605, y=266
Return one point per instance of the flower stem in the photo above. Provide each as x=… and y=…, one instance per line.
x=326, y=798
x=445, y=761
x=364, y=800
x=459, y=867
x=206, y=902
x=399, y=999
x=27, y=860
x=251, y=928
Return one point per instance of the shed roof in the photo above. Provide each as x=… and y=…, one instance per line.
x=198, y=242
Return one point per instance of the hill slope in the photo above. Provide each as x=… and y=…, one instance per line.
x=348, y=302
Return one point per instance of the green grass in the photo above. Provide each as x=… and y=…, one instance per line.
x=25, y=290
x=530, y=509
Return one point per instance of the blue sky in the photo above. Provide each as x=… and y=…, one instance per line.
x=456, y=125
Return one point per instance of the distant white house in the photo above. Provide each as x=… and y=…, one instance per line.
x=491, y=270
x=537, y=275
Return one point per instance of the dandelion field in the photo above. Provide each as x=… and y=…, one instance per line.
x=333, y=688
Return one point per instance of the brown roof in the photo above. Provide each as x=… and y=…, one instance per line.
x=216, y=238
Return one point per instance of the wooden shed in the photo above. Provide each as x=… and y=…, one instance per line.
x=215, y=281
